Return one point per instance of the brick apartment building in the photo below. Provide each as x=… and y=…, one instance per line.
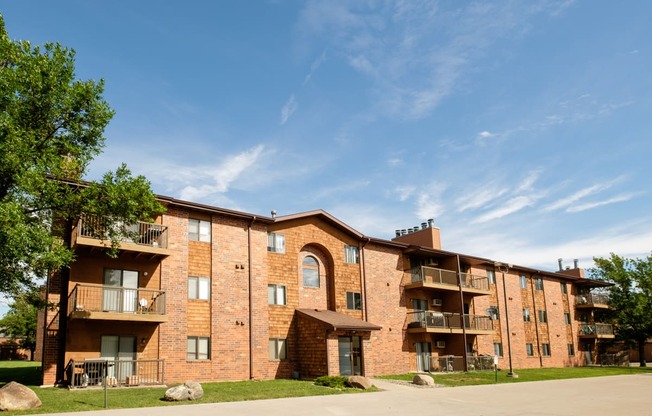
x=210, y=294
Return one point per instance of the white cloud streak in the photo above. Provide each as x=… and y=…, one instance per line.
x=288, y=109
x=509, y=207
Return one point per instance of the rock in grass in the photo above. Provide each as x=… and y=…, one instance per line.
x=15, y=396
x=360, y=382
x=186, y=391
x=423, y=380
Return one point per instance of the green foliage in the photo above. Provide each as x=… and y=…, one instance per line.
x=336, y=382
x=51, y=127
x=19, y=323
x=630, y=297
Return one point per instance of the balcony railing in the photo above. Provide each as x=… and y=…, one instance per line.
x=597, y=330
x=471, y=281
x=86, y=299
x=591, y=299
x=432, y=275
x=119, y=373
x=450, y=363
x=140, y=233
x=446, y=320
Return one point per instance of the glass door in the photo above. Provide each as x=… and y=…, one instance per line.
x=120, y=292
x=350, y=353
x=423, y=356
x=116, y=349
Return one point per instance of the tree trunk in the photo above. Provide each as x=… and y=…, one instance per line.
x=641, y=353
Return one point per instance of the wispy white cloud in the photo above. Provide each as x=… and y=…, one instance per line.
x=315, y=66
x=590, y=205
x=527, y=183
x=509, y=207
x=485, y=134
x=429, y=201
x=568, y=201
x=480, y=197
x=409, y=50
x=218, y=179
x=288, y=109
x=405, y=192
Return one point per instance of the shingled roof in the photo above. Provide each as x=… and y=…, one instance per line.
x=338, y=321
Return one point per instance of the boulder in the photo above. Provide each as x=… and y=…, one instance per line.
x=15, y=396
x=360, y=382
x=423, y=380
x=185, y=391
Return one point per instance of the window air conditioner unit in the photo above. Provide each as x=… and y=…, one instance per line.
x=440, y=344
x=436, y=302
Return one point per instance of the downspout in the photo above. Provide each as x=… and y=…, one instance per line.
x=251, y=312
x=536, y=319
x=463, y=320
x=363, y=280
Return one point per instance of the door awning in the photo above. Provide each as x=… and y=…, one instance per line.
x=338, y=321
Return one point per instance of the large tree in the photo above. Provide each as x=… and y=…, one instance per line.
x=51, y=127
x=20, y=322
x=630, y=297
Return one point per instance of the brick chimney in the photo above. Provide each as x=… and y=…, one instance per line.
x=426, y=236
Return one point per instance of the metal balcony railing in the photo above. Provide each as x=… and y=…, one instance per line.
x=450, y=363
x=596, y=329
x=434, y=275
x=591, y=299
x=446, y=320
x=100, y=298
x=118, y=373
x=141, y=233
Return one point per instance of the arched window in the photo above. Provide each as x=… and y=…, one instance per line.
x=310, y=269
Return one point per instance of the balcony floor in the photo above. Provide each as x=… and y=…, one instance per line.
x=119, y=316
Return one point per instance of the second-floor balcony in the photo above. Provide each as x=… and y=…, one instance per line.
x=142, y=237
x=596, y=331
x=117, y=303
x=450, y=323
x=432, y=277
x=592, y=300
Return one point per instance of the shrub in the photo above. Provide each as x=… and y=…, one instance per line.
x=336, y=382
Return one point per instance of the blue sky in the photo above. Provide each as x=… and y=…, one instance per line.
x=522, y=127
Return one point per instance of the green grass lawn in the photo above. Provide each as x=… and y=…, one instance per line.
x=56, y=400
x=531, y=374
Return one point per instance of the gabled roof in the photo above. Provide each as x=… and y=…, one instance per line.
x=324, y=216
x=338, y=321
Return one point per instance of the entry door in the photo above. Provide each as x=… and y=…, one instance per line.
x=588, y=353
x=117, y=348
x=350, y=352
x=120, y=290
x=423, y=356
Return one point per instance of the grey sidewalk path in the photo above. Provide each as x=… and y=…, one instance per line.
x=615, y=395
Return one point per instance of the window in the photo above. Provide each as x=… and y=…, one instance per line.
x=199, y=230
x=276, y=243
x=310, y=269
x=491, y=277
x=543, y=316
x=523, y=282
x=526, y=315
x=567, y=318
x=351, y=255
x=277, y=349
x=199, y=288
x=529, y=349
x=498, y=349
x=571, y=350
x=353, y=301
x=538, y=283
x=198, y=348
x=492, y=311
x=276, y=294
x=545, y=350
x=564, y=288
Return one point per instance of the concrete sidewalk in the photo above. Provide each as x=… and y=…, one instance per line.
x=615, y=395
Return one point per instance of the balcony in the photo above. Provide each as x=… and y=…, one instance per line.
x=119, y=373
x=116, y=303
x=449, y=323
x=596, y=331
x=141, y=237
x=431, y=277
x=591, y=300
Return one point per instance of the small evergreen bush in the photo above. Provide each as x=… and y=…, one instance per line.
x=336, y=382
